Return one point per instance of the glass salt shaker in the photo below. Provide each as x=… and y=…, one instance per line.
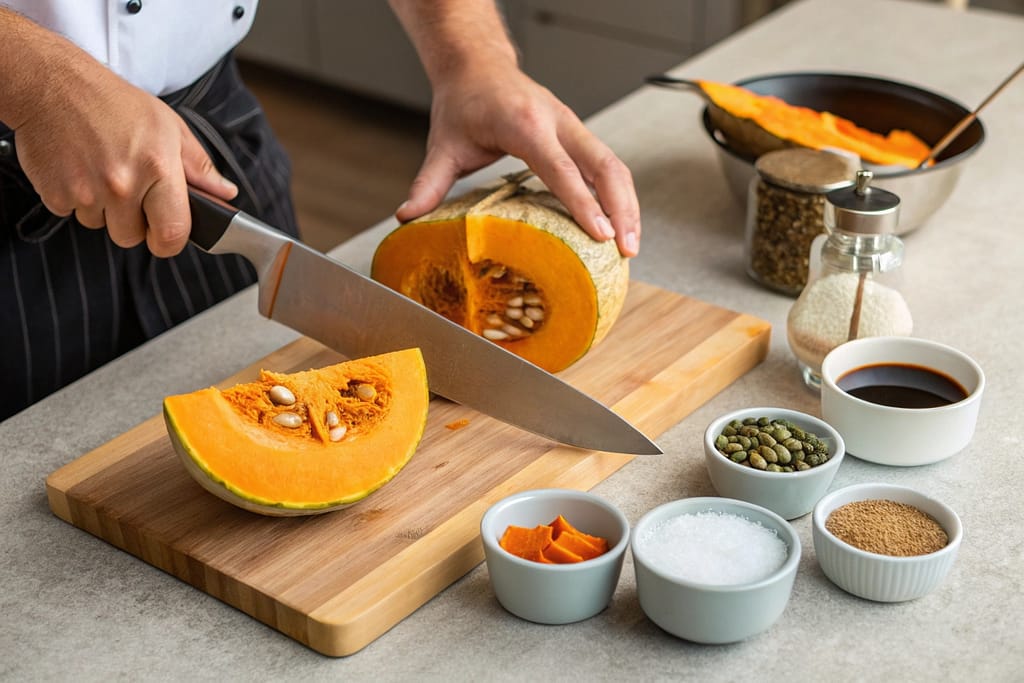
x=785, y=207
x=854, y=277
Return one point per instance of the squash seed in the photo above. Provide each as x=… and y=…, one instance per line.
x=515, y=302
x=289, y=420
x=338, y=433
x=513, y=313
x=366, y=392
x=495, y=335
x=527, y=323
x=281, y=396
x=534, y=314
x=532, y=300
x=332, y=419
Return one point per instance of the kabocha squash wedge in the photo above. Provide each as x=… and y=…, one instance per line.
x=303, y=443
x=511, y=265
x=763, y=123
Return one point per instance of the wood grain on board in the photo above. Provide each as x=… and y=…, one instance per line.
x=335, y=582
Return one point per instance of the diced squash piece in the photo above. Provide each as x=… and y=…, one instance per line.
x=559, y=554
x=577, y=544
x=526, y=542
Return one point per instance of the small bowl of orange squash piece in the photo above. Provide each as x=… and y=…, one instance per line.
x=554, y=556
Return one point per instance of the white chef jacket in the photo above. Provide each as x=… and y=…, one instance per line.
x=161, y=46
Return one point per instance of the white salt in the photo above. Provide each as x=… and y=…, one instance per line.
x=716, y=548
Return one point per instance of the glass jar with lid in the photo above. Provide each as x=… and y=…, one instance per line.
x=854, y=277
x=785, y=208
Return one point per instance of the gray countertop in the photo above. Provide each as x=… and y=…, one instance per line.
x=77, y=608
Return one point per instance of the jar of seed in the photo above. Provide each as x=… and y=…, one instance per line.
x=785, y=209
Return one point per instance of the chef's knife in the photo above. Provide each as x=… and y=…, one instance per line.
x=357, y=316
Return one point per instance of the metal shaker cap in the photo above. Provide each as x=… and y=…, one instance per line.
x=862, y=209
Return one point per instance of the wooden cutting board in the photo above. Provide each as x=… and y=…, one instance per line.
x=336, y=582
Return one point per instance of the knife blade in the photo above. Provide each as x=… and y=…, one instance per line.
x=357, y=316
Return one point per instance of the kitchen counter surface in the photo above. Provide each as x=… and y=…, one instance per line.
x=77, y=608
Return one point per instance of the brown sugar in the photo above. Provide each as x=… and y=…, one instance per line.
x=886, y=527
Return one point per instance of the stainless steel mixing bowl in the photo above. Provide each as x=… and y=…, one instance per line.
x=879, y=105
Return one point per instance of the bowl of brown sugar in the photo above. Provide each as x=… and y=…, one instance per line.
x=885, y=542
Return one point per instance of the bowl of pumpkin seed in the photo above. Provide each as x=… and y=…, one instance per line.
x=780, y=459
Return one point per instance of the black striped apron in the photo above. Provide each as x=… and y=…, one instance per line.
x=71, y=300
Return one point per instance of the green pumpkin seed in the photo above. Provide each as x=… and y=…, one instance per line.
x=771, y=445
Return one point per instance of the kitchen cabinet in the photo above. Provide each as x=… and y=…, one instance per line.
x=588, y=53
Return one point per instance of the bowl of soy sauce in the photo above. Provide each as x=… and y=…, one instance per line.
x=901, y=400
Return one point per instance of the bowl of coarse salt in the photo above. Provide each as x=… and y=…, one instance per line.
x=885, y=542
x=714, y=570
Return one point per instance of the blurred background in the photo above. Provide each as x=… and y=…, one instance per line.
x=345, y=92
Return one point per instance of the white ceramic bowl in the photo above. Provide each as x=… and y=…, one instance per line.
x=901, y=436
x=705, y=613
x=878, y=577
x=787, y=494
x=554, y=593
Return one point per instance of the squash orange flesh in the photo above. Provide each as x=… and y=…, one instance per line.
x=437, y=263
x=231, y=438
x=809, y=128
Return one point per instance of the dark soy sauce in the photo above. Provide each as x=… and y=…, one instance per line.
x=902, y=385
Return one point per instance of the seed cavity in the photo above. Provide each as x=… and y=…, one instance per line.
x=289, y=420
x=513, y=307
x=281, y=396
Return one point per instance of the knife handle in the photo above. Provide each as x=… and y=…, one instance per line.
x=211, y=217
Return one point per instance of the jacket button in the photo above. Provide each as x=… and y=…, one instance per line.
x=134, y=6
x=238, y=12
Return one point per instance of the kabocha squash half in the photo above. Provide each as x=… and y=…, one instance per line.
x=511, y=265
x=304, y=443
x=762, y=123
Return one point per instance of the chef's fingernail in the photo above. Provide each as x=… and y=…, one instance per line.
x=402, y=206
x=604, y=227
x=632, y=242
x=228, y=184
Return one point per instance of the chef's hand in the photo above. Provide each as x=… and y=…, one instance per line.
x=484, y=106
x=94, y=145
